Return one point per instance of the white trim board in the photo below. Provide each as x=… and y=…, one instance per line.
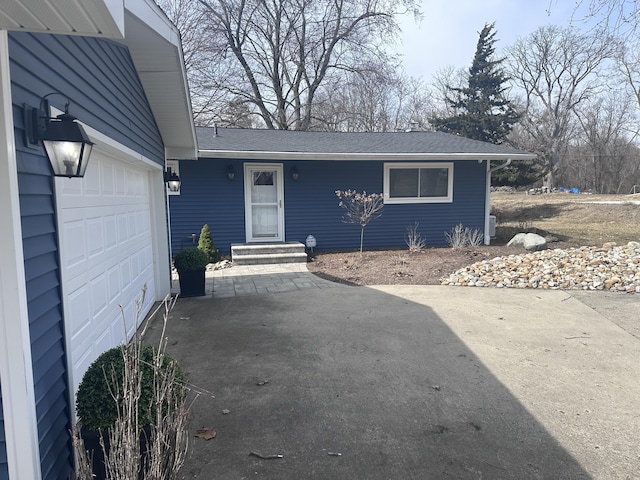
x=16, y=372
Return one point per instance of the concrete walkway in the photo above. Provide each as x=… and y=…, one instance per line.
x=242, y=280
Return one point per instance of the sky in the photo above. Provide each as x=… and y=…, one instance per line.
x=448, y=32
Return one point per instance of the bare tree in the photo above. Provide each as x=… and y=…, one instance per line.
x=443, y=80
x=621, y=17
x=360, y=208
x=201, y=58
x=556, y=70
x=608, y=129
x=381, y=100
x=275, y=57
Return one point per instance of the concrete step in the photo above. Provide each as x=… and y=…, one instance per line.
x=265, y=253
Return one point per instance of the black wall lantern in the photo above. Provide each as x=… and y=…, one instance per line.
x=65, y=142
x=231, y=174
x=172, y=180
x=295, y=174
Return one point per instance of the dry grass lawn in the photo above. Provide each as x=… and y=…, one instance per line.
x=575, y=219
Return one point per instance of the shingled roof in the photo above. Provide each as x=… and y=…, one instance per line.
x=279, y=144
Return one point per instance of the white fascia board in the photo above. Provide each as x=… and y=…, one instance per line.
x=257, y=155
x=156, y=49
x=115, y=8
x=16, y=372
x=151, y=14
x=176, y=153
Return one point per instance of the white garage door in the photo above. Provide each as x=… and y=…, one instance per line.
x=106, y=257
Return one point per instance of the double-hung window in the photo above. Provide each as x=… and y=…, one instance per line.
x=418, y=182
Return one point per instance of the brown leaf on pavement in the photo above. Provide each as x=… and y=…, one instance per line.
x=206, y=433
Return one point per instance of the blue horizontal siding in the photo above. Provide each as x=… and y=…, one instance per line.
x=97, y=76
x=4, y=468
x=208, y=196
x=100, y=80
x=311, y=205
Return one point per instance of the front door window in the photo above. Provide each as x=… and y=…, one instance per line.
x=264, y=203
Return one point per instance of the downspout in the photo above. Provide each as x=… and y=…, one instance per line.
x=487, y=202
x=500, y=167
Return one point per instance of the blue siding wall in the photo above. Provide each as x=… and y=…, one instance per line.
x=99, y=79
x=311, y=206
x=4, y=469
x=208, y=196
x=97, y=76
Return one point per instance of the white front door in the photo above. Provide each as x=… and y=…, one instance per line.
x=264, y=209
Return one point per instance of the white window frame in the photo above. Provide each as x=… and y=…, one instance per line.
x=445, y=199
x=174, y=165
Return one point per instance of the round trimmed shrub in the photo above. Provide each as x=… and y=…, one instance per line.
x=96, y=406
x=191, y=258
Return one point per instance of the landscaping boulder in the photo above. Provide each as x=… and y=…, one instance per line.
x=530, y=241
x=517, y=240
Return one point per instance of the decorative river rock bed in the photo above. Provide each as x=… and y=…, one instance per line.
x=610, y=267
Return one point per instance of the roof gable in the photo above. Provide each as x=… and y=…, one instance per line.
x=153, y=41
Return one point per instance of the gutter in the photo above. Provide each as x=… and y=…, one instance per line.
x=336, y=156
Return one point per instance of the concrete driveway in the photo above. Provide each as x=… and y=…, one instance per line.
x=409, y=382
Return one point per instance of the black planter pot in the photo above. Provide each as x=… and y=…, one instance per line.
x=191, y=283
x=91, y=440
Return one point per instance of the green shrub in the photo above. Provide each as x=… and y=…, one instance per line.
x=205, y=243
x=191, y=258
x=95, y=403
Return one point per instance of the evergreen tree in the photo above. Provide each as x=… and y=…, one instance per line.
x=205, y=243
x=482, y=111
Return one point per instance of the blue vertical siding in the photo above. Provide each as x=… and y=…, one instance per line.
x=99, y=78
x=311, y=205
x=4, y=469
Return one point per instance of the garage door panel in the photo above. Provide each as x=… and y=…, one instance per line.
x=75, y=244
x=125, y=274
x=95, y=236
x=107, y=256
x=113, y=283
x=110, y=237
x=123, y=228
x=108, y=180
x=133, y=229
x=91, y=183
x=92, y=241
x=121, y=182
x=78, y=312
x=99, y=299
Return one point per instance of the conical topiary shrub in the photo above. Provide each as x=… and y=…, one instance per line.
x=205, y=243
